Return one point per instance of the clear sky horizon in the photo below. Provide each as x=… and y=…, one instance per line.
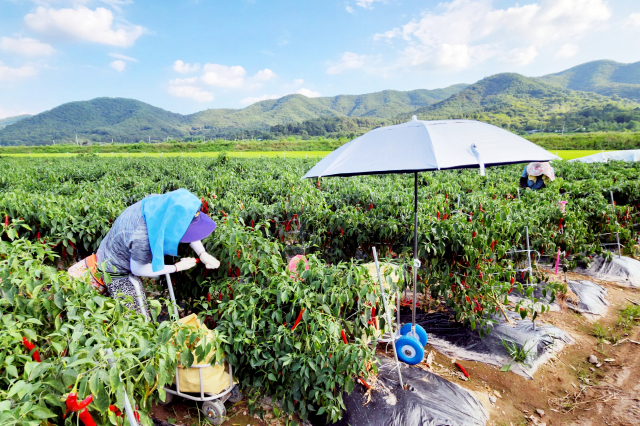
x=192, y=55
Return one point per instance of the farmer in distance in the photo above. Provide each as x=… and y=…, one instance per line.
x=139, y=239
x=537, y=175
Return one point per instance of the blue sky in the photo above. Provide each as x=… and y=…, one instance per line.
x=187, y=56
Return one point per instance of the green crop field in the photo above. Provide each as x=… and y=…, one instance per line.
x=299, y=336
x=566, y=155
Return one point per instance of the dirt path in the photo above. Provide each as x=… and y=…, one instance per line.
x=569, y=389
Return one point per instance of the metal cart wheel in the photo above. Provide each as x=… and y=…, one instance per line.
x=214, y=411
x=168, y=399
x=235, y=395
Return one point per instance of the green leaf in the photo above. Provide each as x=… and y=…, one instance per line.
x=101, y=398
x=17, y=387
x=40, y=412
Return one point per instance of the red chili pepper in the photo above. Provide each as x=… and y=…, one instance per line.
x=463, y=370
x=344, y=337
x=115, y=410
x=30, y=346
x=468, y=300
x=208, y=297
x=6, y=220
x=474, y=234
x=341, y=231
x=295, y=324
x=223, y=213
x=252, y=223
x=365, y=384
x=523, y=275
x=238, y=253
x=437, y=215
x=470, y=216
x=370, y=206
x=493, y=244
x=72, y=402
x=481, y=208
x=229, y=269
x=86, y=418
x=560, y=226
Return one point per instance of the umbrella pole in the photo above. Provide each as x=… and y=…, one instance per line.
x=416, y=262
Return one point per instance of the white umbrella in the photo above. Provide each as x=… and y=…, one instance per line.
x=603, y=157
x=418, y=146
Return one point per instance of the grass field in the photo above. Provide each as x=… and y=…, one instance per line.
x=566, y=155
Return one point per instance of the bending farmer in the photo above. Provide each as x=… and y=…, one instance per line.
x=537, y=175
x=139, y=239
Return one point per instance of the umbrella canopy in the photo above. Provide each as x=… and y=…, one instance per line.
x=420, y=145
x=603, y=157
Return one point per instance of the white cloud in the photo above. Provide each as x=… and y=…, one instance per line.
x=298, y=82
x=8, y=73
x=633, y=20
x=567, y=50
x=367, y=4
x=184, y=68
x=84, y=24
x=462, y=33
x=223, y=76
x=191, y=92
x=349, y=61
x=308, y=93
x=264, y=75
x=26, y=46
x=181, y=81
x=118, y=65
x=348, y=9
x=123, y=57
x=521, y=55
x=234, y=77
x=115, y=4
x=453, y=56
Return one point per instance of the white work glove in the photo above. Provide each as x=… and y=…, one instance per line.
x=209, y=261
x=185, y=263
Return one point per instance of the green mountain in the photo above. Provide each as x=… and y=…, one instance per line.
x=128, y=120
x=522, y=103
x=607, y=78
x=596, y=96
x=4, y=122
x=389, y=103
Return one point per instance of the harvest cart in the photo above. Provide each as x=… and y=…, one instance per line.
x=212, y=404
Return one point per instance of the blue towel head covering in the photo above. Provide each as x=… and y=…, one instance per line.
x=167, y=217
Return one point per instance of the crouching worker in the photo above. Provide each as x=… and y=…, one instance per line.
x=139, y=239
x=537, y=175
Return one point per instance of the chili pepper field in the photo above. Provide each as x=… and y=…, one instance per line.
x=298, y=337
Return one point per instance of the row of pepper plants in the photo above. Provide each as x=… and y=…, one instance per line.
x=471, y=233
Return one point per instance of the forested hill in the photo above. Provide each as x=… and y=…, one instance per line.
x=129, y=120
x=596, y=96
x=522, y=103
x=607, y=78
x=4, y=122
